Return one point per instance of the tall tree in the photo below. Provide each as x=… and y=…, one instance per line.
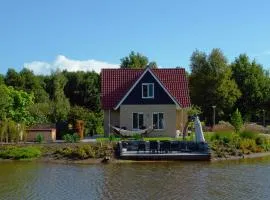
x=2, y=79
x=254, y=84
x=83, y=89
x=61, y=105
x=13, y=79
x=211, y=83
x=34, y=84
x=18, y=109
x=152, y=64
x=14, y=105
x=5, y=100
x=136, y=61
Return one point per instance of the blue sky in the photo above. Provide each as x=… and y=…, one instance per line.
x=93, y=34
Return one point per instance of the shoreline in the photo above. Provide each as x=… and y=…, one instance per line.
x=246, y=156
x=114, y=160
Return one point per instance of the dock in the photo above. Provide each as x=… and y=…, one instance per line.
x=163, y=150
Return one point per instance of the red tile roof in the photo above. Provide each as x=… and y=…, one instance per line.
x=115, y=83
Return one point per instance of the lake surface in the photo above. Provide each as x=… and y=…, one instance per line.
x=247, y=179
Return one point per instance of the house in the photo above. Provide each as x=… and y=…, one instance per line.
x=141, y=98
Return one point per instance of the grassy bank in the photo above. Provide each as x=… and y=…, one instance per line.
x=18, y=153
x=223, y=144
x=227, y=144
x=63, y=151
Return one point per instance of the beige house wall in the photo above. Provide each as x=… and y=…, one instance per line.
x=126, y=113
x=111, y=117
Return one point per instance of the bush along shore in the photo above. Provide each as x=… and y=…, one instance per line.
x=224, y=145
x=60, y=152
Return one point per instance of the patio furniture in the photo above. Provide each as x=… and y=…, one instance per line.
x=141, y=147
x=154, y=146
x=165, y=146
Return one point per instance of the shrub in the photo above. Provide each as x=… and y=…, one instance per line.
x=85, y=151
x=226, y=137
x=259, y=140
x=76, y=137
x=248, y=145
x=71, y=138
x=113, y=138
x=39, y=138
x=237, y=121
x=67, y=138
x=223, y=126
x=12, y=152
x=255, y=128
x=248, y=134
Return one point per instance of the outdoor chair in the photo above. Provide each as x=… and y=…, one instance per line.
x=141, y=147
x=184, y=146
x=165, y=146
x=154, y=146
x=175, y=146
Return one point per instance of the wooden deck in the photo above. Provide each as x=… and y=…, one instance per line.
x=134, y=155
x=163, y=150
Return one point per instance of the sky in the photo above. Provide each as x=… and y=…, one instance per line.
x=90, y=35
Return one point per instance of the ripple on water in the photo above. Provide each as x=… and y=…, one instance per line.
x=138, y=181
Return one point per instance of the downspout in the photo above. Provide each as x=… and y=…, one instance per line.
x=109, y=122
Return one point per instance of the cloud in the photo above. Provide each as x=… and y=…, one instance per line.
x=63, y=63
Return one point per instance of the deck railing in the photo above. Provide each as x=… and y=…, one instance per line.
x=162, y=146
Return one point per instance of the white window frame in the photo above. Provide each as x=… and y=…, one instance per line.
x=158, y=129
x=138, y=121
x=148, y=96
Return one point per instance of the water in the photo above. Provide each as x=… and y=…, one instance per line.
x=248, y=179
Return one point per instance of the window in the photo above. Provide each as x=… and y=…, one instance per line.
x=137, y=120
x=158, y=121
x=148, y=90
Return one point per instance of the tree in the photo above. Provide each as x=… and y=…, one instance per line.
x=83, y=89
x=2, y=79
x=211, y=83
x=60, y=102
x=18, y=106
x=152, y=65
x=136, y=61
x=5, y=100
x=13, y=79
x=254, y=84
x=236, y=120
x=93, y=121
x=41, y=112
x=35, y=84
x=14, y=105
x=194, y=111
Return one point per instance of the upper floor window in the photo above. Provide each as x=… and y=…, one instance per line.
x=148, y=90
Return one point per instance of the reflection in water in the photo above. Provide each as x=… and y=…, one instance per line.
x=246, y=179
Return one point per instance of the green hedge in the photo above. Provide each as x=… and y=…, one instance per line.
x=12, y=152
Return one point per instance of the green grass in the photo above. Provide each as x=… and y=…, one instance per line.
x=158, y=138
x=17, y=153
